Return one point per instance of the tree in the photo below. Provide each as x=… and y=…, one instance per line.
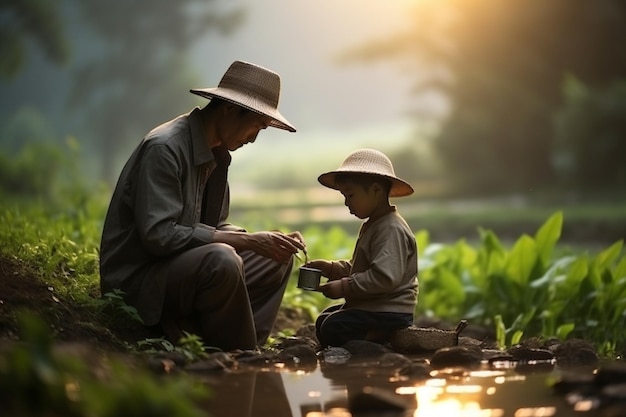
x=591, y=135
x=140, y=63
x=39, y=20
x=501, y=63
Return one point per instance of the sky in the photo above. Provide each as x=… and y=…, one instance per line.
x=345, y=106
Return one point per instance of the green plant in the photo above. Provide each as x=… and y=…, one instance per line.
x=190, y=345
x=34, y=381
x=114, y=301
x=527, y=288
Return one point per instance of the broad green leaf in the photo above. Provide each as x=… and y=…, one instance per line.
x=607, y=256
x=575, y=275
x=547, y=236
x=564, y=330
x=467, y=254
x=490, y=241
x=620, y=269
x=455, y=292
x=522, y=259
x=517, y=337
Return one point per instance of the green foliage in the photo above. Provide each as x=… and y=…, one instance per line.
x=190, y=345
x=31, y=171
x=62, y=242
x=34, y=381
x=526, y=288
x=590, y=134
x=114, y=301
x=37, y=20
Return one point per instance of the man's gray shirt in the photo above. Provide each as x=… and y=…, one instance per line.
x=155, y=212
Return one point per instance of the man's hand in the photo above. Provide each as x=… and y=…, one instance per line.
x=332, y=289
x=276, y=245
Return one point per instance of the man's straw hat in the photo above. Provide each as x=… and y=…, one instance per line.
x=253, y=87
x=369, y=161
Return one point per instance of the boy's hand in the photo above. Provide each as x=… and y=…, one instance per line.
x=332, y=289
x=321, y=264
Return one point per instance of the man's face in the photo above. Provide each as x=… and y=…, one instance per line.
x=241, y=126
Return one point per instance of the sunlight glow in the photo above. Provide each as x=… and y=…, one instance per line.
x=464, y=389
x=536, y=412
x=314, y=394
x=586, y=405
x=438, y=398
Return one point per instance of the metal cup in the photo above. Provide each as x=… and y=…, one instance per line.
x=309, y=278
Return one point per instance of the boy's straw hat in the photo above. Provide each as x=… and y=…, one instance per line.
x=253, y=87
x=369, y=161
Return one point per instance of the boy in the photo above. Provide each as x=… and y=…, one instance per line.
x=379, y=284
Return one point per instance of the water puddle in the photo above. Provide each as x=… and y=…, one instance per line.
x=496, y=390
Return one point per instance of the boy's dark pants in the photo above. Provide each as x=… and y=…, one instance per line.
x=337, y=325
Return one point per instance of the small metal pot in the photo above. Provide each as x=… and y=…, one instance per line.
x=309, y=278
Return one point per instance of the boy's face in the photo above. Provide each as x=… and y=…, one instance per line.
x=361, y=202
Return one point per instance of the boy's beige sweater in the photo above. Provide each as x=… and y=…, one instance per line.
x=382, y=274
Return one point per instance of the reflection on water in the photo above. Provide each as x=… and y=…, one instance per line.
x=330, y=391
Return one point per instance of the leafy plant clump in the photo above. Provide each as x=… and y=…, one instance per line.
x=526, y=290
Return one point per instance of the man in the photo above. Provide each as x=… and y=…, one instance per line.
x=166, y=242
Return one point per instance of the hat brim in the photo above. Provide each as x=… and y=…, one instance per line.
x=399, y=187
x=250, y=103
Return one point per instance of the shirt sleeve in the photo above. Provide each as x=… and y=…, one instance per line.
x=159, y=203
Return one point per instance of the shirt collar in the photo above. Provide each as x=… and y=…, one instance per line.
x=201, y=151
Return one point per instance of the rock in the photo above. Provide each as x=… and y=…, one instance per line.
x=285, y=342
x=254, y=356
x=177, y=357
x=497, y=355
x=160, y=365
x=394, y=360
x=456, y=356
x=421, y=339
x=308, y=331
x=575, y=352
x=364, y=348
x=530, y=354
x=469, y=341
x=298, y=355
x=336, y=355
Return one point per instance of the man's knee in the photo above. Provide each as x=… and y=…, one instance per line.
x=221, y=256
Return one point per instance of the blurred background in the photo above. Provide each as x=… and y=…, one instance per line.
x=498, y=112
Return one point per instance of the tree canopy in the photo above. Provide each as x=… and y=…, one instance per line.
x=38, y=21
x=502, y=64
